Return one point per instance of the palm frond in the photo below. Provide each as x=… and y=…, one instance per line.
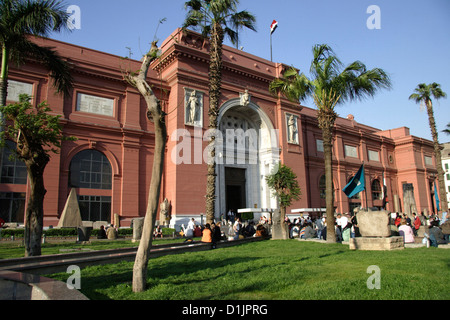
x=59, y=69
x=423, y=92
x=39, y=17
x=202, y=15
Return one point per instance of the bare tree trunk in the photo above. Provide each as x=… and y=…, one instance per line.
x=215, y=80
x=34, y=215
x=327, y=152
x=3, y=92
x=4, y=77
x=327, y=117
x=158, y=116
x=279, y=227
x=284, y=226
x=437, y=154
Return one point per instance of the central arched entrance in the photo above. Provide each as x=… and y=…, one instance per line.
x=249, y=152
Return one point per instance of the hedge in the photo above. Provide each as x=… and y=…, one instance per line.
x=72, y=232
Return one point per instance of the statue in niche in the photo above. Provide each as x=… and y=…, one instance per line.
x=193, y=106
x=164, y=213
x=245, y=98
x=292, y=128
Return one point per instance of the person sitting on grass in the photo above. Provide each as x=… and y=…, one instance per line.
x=436, y=235
x=111, y=233
x=207, y=234
x=102, y=233
x=158, y=232
x=406, y=232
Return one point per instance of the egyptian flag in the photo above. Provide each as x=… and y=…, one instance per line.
x=357, y=184
x=273, y=26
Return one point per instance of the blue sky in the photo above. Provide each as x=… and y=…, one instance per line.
x=412, y=45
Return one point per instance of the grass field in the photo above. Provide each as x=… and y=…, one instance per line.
x=14, y=250
x=278, y=270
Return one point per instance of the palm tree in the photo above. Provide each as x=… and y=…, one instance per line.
x=447, y=130
x=21, y=19
x=216, y=19
x=423, y=94
x=330, y=86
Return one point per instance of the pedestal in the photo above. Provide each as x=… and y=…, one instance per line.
x=376, y=243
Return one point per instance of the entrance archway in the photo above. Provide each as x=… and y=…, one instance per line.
x=250, y=151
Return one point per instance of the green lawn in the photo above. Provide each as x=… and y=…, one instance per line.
x=13, y=250
x=277, y=270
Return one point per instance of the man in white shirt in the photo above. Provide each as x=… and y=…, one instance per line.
x=341, y=221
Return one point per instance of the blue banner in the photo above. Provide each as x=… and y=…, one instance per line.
x=357, y=184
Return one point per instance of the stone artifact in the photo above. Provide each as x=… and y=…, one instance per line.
x=292, y=126
x=245, y=98
x=164, y=212
x=138, y=225
x=409, y=202
x=193, y=106
x=375, y=231
x=71, y=216
x=84, y=233
x=374, y=223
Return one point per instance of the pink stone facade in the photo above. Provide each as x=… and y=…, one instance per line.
x=108, y=116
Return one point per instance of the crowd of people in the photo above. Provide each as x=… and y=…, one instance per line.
x=231, y=229
x=306, y=227
x=436, y=231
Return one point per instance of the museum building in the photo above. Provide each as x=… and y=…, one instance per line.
x=109, y=165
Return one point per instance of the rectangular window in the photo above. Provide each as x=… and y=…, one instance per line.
x=95, y=208
x=16, y=88
x=428, y=161
x=319, y=144
x=351, y=151
x=373, y=155
x=94, y=104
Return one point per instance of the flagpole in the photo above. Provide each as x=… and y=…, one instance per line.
x=271, y=46
x=365, y=189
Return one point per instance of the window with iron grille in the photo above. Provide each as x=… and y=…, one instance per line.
x=14, y=170
x=90, y=169
x=376, y=190
x=12, y=206
x=95, y=208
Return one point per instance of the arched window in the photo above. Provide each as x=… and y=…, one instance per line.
x=323, y=188
x=14, y=171
x=376, y=190
x=90, y=169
